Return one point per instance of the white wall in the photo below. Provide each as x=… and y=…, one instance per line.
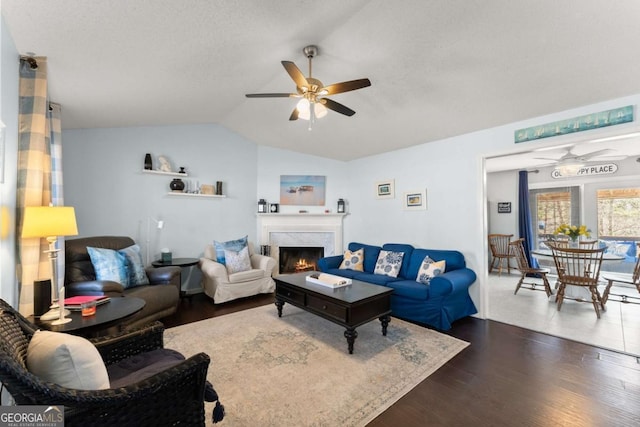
x=103, y=180
x=9, y=66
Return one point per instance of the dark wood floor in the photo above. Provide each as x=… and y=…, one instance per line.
x=508, y=376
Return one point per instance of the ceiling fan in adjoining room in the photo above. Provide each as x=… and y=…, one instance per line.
x=570, y=163
x=313, y=93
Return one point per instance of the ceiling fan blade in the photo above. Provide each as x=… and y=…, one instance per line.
x=296, y=74
x=272, y=95
x=294, y=115
x=587, y=156
x=337, y=107
x=346, y=86
x=547, y=158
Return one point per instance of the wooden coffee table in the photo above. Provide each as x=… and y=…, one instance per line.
x=349, y=306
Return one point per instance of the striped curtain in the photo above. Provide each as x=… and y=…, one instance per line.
x=34, y=176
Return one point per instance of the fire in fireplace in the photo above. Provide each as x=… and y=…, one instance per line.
x=294, y=259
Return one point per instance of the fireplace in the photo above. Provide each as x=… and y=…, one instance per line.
x=294, y=259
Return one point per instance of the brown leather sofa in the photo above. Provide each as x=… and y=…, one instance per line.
x=162, y=295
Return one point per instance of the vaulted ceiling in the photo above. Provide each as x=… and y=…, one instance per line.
x=438, y=68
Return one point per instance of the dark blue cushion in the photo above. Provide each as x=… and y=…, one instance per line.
x=370, y=254
x=376, y=279
x=407, y=250
x=341, y=272
x=410, y=289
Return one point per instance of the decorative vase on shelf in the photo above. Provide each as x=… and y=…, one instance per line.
x=177, y=185
x=148, y=164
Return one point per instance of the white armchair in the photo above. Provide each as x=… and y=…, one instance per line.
x=221, y=286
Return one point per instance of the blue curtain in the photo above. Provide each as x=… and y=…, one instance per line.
x=525, y=226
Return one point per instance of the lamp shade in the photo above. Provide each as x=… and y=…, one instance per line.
x=49, y=221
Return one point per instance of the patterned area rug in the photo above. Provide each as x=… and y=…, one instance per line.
x=297, y=371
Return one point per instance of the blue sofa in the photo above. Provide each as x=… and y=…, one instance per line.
x=438, y=304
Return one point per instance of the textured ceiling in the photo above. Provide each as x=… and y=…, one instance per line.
x=438, y=68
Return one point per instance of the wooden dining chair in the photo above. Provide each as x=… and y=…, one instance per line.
x=588, y=244
x=526, y=271
x=625, y=279
x=578, y=267
x=500, y=251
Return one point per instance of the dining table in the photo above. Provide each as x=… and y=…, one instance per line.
x=573, y=292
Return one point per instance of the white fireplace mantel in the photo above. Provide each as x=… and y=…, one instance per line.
x=270, y=224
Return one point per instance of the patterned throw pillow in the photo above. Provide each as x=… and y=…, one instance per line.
x=353, y=260
x=232, y=245
x=430, y=269
x=237, y=261
x=109, y=265
x=389, y=263
x=135, y=267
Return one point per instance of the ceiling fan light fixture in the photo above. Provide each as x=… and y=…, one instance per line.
x=569, y=169
x=304, y=109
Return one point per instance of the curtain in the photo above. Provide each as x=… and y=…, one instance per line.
x=525, y=227
x=34, y=176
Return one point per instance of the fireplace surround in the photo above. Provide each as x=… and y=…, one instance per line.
x=301, y=230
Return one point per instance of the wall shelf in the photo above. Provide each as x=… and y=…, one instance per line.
x=211, y=196
x=154, y=172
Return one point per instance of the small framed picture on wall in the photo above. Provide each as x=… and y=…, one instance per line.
x=415, y=200
x=385, y=189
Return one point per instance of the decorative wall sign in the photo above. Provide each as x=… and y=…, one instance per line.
x=504, y=207
x=576, y=124
x=603, y=169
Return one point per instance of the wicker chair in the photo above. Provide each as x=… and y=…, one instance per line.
x=500, y=251
x=517, y=249
x=579, y=267
x=171, y=397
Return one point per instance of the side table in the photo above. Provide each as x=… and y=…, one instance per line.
x=177, y=262
x=107, y=315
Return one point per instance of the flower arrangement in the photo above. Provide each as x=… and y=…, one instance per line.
x=573, y=231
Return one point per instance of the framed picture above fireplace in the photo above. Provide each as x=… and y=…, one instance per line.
x=302, y=190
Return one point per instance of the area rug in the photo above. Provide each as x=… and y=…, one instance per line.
x=297, y=371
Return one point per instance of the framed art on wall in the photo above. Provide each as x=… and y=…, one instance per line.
x=385, y=189
x=415, y=200
x=302, y=190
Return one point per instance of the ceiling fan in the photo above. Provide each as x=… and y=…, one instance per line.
x=313, y=93
x=570, y=157
x=570, y=163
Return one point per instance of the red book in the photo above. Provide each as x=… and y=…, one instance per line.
x=75, y=302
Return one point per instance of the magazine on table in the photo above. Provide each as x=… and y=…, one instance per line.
x=75, y=303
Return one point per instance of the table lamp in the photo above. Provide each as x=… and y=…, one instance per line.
x=50, y=222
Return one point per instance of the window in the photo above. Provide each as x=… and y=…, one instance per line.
x=619, y=213
x=552, y=207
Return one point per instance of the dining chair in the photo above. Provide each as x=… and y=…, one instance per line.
x=588, y=244
x=500, y=251
x=627, y=279
x=526, y=271
x=578, y=267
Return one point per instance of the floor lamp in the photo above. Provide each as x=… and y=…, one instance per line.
x=50, y=222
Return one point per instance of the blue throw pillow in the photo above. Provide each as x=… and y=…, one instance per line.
x=232, y=245
x=135, y=267
x=109, y=265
